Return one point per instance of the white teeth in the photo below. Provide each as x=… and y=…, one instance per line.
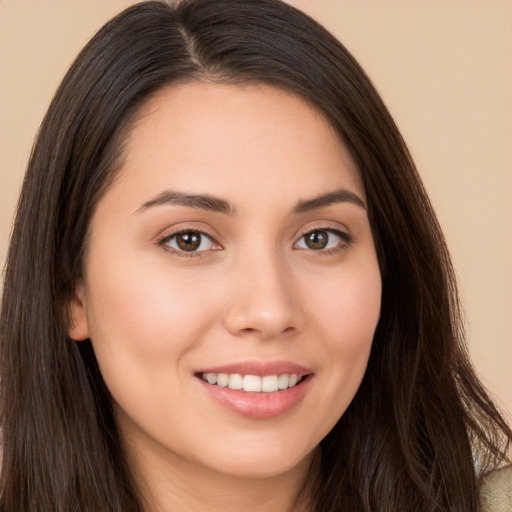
x=283, y=381
x=222, y=380
x=270, y=383
x=235, y=381
x=252, y=383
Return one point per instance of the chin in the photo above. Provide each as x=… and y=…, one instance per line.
x=261, y=463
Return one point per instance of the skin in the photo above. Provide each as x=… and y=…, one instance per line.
x=254, y=291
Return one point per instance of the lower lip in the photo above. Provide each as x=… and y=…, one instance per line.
x=259, y=405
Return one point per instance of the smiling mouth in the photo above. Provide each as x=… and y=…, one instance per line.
x=252, y=383
x=257, y=390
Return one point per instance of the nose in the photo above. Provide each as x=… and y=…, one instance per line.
x=262, y=303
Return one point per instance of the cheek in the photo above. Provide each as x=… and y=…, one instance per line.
x=145, y=317
x=347, y=312
x=348, y=307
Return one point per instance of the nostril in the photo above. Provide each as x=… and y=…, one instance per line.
x=267, y=332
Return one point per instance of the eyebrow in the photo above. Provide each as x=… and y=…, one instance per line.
x=200, y=201
x=216, y=204
x=341, y=195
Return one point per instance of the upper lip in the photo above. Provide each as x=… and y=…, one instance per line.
x=261, y=368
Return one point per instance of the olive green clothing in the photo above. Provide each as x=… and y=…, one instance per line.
x=496, y=491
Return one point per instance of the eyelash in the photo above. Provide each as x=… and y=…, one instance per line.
x=183, y=254
x=345, y=237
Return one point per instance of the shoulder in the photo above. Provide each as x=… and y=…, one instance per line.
x=496, y=491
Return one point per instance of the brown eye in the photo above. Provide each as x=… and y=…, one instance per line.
x=317, y=240
x=320, y=239
x=189, y=241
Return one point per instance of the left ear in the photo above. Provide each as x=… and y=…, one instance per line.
x=79, y=328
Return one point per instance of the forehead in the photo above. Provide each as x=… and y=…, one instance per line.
x=252, y=138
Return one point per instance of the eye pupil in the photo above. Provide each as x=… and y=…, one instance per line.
x=188, y=241
x=317, y=240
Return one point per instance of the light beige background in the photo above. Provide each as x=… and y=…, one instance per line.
x=444, y=68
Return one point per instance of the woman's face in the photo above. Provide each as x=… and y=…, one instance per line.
x=233, y=250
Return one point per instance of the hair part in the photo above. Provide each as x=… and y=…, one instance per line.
x=408, y=439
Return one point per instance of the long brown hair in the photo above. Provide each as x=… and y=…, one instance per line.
x=421, y=429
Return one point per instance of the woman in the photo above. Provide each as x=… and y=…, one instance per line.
x=226, y=287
